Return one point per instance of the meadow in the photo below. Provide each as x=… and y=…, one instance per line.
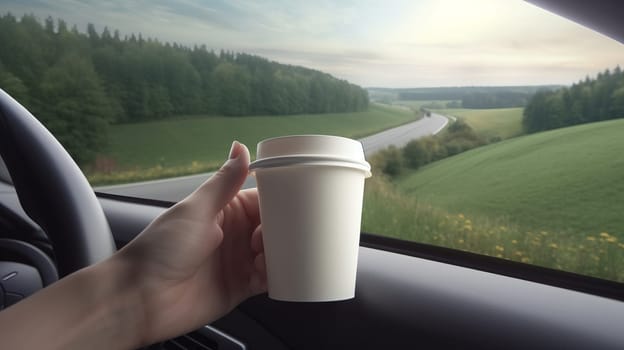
x=490, y=123
x=194, y=144
x=552, y=199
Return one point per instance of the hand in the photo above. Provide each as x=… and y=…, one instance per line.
x=200, y=258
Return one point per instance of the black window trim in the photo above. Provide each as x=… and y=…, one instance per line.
x=528, y=272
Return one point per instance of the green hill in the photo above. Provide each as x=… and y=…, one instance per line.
x=553, y=199
x=489, y=123
x=569, y=179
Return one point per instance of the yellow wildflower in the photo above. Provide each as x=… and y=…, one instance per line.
x=500, y=248
x=514, y=241
x=518, y=253
x=461, y=241
x=525, y=259
x=591, y=238
x=499, y=256
x=543, y=233
x=604, y=235
x=612, y=239
x=553, y=245
x=460, y=215
x=621, y=245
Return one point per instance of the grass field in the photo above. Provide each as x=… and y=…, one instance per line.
x=194, y=144
x=489, y=123
x=553, y=199
x=568, y=179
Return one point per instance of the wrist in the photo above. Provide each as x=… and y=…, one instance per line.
x=116, y=302
x=110, y=306
x=96, y=308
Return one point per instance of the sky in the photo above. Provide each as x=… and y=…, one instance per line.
x=381, y=43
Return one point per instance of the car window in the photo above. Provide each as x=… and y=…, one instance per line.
x=509, y=117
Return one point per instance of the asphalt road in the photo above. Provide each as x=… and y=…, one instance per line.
x=174, y=189
x=403, y=134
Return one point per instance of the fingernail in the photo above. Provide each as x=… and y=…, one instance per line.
x=233, y=150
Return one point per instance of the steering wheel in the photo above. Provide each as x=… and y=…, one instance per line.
x=53, y=190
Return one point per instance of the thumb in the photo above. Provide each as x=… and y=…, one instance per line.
x=221, y=187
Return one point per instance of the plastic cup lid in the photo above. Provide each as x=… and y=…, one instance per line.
x=310, y=150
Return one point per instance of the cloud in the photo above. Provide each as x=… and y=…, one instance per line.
x=392, y=43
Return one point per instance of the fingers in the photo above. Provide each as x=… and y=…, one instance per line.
x=257, y=245
x=259, y=277
x=249, y=200
x=219, y=190
x=258, y=281
x=260, y=264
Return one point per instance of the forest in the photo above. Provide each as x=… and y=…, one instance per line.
x=77, y=83
x=587, y=101
x=477, y=97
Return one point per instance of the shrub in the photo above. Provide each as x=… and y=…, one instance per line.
x=461, y=137
x=495, y=139
x=436, y=148
x=416, y=154
x=459, y=126
x=389, y=161
x=456, y=146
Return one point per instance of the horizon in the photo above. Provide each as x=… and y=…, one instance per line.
x=398, y=45
x=468, y=86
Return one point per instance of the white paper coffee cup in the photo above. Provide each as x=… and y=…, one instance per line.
x=310, y=190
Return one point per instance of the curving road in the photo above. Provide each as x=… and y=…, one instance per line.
x=174, y=189
x=403, y=134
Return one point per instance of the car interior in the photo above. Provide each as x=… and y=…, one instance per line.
x=408, y=294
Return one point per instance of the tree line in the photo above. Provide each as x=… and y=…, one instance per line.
x=477, y=96
x=488, y=98
x=463, y=96
x=495, y=99
x=78, y=83
x=587, y=101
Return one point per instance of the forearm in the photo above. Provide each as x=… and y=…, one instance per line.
x=94, y=308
